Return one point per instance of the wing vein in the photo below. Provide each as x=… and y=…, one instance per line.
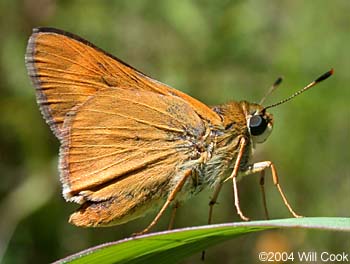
x=137, y=120
x=144, y=163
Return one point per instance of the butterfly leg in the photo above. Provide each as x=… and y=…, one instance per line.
x=233, y=176
x=170, y=198
x=173, y=213
x=262, y=189
x=213, y=200
x=262, y=166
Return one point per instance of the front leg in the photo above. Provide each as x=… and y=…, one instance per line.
x=260, y=167
x=233, y=176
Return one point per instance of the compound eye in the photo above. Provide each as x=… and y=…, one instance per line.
x=257, y=125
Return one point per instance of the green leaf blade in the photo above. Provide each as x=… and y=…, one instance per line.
x=172, y=246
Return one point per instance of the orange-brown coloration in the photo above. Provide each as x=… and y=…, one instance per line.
x=130, y=144
x=67, y=69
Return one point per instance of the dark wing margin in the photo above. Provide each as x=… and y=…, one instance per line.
x=67, y=69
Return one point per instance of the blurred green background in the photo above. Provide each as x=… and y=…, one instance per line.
x=215, y=51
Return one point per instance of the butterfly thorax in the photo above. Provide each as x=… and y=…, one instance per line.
x=225, y=140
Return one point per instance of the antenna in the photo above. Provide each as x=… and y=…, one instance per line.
x=272, y=88
x=307, y=87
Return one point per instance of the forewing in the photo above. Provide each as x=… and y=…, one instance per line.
x=123, y=134
x=66, y=70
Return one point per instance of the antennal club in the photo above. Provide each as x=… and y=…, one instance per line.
x=272, y=88
x=318, y=80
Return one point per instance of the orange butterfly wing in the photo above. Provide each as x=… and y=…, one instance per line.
x=124, y=135
x=126, y=146
x=66, y=70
